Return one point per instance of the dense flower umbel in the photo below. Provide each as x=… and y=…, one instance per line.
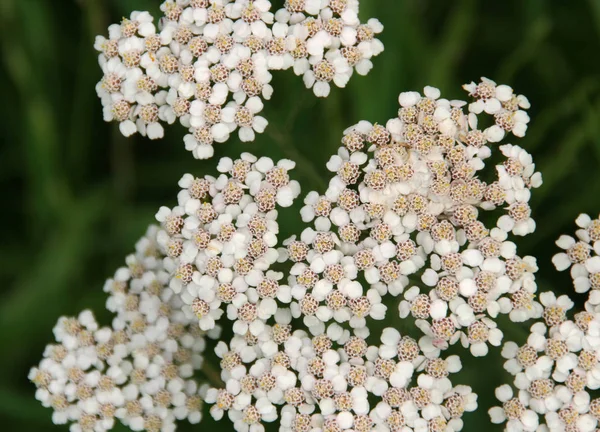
x=139, y=370
x=558, y=367
x=400, y=218
x=581, y=254
x=405, y=200
x=407, y=205
x=334, y=381
x=220, y=240
x=209, y=64
x=554, y=373
x=403, y=205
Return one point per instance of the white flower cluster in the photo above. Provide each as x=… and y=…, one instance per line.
x=405, y=200
x=220, y=245
x=413, y=204
x=582, y=256
x=334, y=381
x=139, y=370
x=220, y=240
x=209, y=64
x=557, y=370
x=402, y=217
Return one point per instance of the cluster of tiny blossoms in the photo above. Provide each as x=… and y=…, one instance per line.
x=335, y=381
x=209, y=63
x=407, y=205
x=558, y=368
x=405, y=201
x=582, y=256
x=401, y=223
x=139, y=370
x=220, y=240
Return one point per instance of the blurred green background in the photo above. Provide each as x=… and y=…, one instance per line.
x=77, y=194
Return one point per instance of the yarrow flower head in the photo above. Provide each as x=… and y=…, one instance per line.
x=400, y=218
x=208, y=64
x=405, y=200
x=220, y=240
x=138, y=371
x=581, y=255
x=556, y=371
x=330, y=379
x=414, y=216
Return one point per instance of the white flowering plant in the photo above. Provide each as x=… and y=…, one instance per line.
x=208, y=64
x=346, y=326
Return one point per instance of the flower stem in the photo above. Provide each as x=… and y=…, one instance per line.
x=212, y=374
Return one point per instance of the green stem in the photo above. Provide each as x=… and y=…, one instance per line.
x=212, y=374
